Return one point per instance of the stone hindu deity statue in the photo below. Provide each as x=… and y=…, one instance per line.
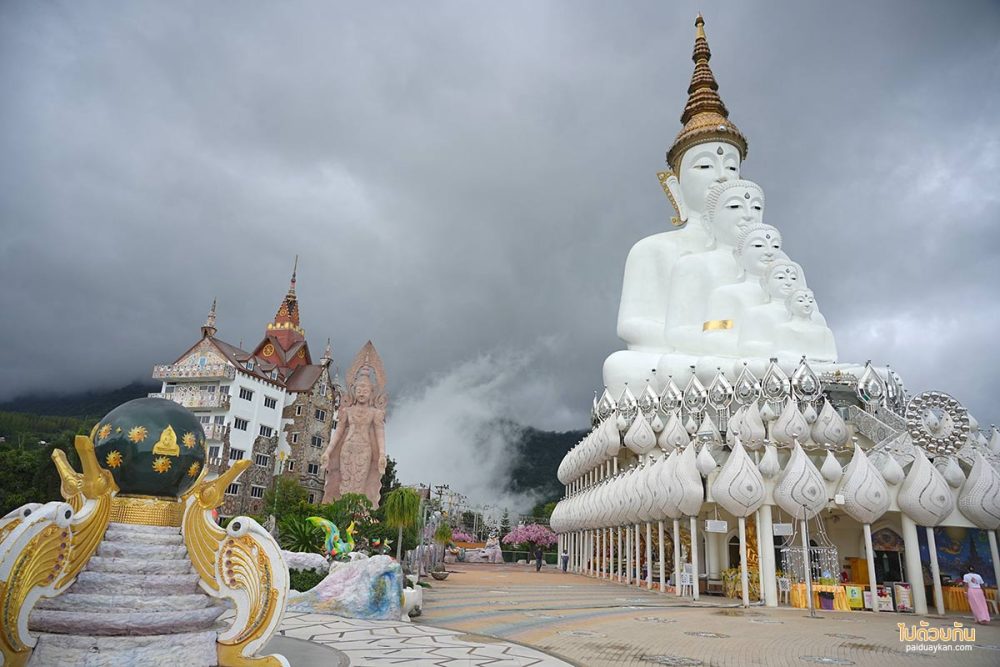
x=708, y=150
x=355, y=458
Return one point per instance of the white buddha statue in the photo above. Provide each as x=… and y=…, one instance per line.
x=731, y=208
x=709, y=149
x=757, y=333
x=803, y=335
x=717, y=341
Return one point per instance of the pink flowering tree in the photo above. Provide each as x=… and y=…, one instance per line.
x=460, y=536
x=528, y=536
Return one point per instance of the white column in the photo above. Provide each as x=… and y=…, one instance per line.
x=694, y=557
x=760, y=549
x=744, y=582
x=712, y=556
x=638, y=557
x=663, y=565
x=992, y=535
x=935, y=571
x=870, y=559
x=806, y=562
x=628, y=555
x=649, y=555
x=765, y=557
x=604, y=550
x=911, y=559
x=618, y=555
x=677, y=557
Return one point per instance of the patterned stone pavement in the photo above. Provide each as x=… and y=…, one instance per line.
x=378, y=643
x=592, y=622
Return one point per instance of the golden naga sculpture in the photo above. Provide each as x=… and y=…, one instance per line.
x=44, y=547
x=242, y=563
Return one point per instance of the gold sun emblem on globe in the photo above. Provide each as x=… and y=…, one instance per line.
x=104, y=431
x=161, y=464
x=193, y=470
x=138, y=434
x=189, y=440
x=113, y=459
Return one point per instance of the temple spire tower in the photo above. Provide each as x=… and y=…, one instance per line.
x=705, y=116
x=208, y=329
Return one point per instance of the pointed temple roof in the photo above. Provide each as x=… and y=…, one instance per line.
x=287, y=316
x=282, y=357
x=705, y=117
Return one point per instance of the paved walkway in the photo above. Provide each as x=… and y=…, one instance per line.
x=378, y=643
x=595, y=622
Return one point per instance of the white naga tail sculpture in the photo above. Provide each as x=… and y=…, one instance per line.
x=355, y=458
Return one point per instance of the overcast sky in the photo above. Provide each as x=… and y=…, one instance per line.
x=462, y=182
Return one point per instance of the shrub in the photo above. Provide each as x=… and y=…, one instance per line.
x=303, y=580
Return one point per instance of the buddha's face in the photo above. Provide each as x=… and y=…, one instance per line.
x=363, y=392
x=737, y=209
x=759, y=250
x=802, y=304
x=704, y=164
x=782, y=279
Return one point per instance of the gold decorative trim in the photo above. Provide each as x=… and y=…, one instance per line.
x=146, y=511
x=97, y=490
x=242, y=563
x=715, y=325
x=39, y=560
x=167, y=444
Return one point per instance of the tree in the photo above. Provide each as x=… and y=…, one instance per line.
x=505, y=522
x=531, y=535
x=401, y=510
x=442, y=535
x=286, y=498
x=389, y=481
x=543, y=510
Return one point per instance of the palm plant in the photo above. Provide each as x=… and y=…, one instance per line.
x=295, y=534
x=402, y=510
x=442, y=535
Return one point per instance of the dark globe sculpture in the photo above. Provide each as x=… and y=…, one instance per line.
x=152, y=446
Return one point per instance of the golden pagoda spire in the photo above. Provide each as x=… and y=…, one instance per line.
x=705, y=117
x=287, y=316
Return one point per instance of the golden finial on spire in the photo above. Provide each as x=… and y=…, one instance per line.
x=705, y=117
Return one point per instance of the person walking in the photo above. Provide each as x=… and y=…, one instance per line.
x=974, y=591
x=538, y=559
x=565, y=560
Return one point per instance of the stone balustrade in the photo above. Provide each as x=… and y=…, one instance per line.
x=197, y=400
x=220, y=371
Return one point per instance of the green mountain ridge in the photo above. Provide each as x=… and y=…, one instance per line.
x=29, y=421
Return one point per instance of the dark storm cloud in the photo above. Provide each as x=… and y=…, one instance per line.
x=461, y=179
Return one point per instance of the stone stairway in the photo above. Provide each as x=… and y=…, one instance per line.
x=137, y=602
